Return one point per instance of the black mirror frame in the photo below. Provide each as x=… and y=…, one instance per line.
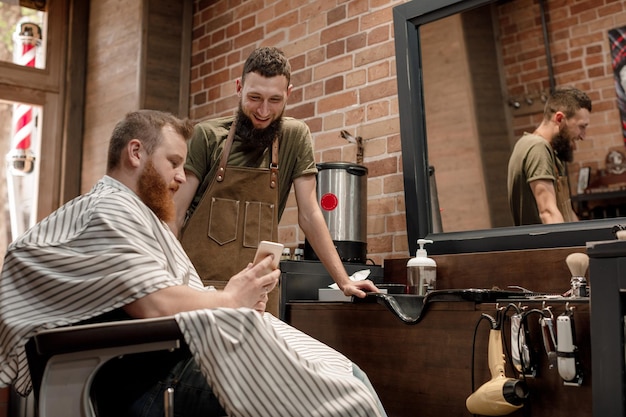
x=407, y=19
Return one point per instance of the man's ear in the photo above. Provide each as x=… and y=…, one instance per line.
x=134, y=152
x=559, y=116
x=239, y=86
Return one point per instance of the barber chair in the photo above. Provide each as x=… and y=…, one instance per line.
x=64, y=361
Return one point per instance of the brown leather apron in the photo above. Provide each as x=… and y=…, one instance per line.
x=237, y=211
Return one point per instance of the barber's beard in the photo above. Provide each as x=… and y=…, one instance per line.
x=253, y=138
x=562, y=145
x=155, y=193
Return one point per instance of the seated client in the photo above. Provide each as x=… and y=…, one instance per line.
x=109, y=255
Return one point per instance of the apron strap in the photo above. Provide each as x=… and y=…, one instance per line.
x=221, y=170
x=274, y=164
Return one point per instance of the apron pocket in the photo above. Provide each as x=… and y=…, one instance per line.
x=258, y=223
x=222, y=227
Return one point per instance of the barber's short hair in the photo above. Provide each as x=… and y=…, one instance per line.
x=145, y=125
x=267, y=61
x=567, y=100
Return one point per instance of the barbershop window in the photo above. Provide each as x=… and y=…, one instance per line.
x=34, y=38
x=22, y=30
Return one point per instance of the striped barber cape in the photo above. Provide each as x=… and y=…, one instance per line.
x=106, y=249
x=260, y=366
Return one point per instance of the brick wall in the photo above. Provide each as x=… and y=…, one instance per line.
x=581, y=56
x=343, y=63
x=342, y=54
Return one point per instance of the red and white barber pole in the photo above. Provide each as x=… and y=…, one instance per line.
x=22, y=178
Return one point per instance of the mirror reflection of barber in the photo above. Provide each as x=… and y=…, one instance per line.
x=538, y=185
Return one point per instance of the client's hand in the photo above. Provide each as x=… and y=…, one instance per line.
x=251, y=286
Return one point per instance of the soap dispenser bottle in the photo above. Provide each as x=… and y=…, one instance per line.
x=421, y=271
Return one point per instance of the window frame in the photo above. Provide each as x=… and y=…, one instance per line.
x=59, y=90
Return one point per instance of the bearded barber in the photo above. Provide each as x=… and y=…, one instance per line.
x=239, y=173
x=538, y=185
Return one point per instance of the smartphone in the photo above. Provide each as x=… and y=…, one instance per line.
x=266, y=248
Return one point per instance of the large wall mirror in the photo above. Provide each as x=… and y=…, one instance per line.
x=472, y=76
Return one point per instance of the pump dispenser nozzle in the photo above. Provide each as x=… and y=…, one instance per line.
x=421, y=242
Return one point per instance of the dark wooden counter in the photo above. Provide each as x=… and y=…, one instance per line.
x=424, y=370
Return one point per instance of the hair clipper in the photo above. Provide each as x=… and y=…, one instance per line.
x=567, y=352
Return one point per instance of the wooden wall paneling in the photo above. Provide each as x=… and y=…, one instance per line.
x=111, y=83
x=138, y=58
x=165, y=65
x=74, y=95
x=424, y=370
x=539, y=270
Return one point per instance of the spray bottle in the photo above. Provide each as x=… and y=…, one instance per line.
x=421, y=271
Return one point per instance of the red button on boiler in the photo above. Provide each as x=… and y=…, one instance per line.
x=329, y=201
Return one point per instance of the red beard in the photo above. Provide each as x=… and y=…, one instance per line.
x=155, y=193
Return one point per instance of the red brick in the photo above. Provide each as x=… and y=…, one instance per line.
x=336, y=102
x=303, y=111
x=281, y=22
x=357, y=41
x=384, y=166
x=315, y=124
x=377, y=244
x=248, y=38
x=336, y=15
x=378, y=90
x=596, y=72
x=342, y=30
x=335, y=66
x=333, y=85
x=355, y=116
x=396, y=222
x=378, y=35
x=376, y=18
x=335, y=49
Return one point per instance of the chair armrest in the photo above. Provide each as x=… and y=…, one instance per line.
x=105, y=335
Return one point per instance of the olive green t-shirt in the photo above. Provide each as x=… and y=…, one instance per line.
x=532, y=159
x=295, y=155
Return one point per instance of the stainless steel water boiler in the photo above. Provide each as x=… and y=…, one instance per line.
x=342, y=196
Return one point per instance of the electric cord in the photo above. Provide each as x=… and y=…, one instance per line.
x=527, y=409
x=531, y=367
x=507, y=352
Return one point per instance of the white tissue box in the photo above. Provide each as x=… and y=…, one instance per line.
x=330, y=294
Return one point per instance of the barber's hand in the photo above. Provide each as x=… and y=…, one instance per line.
x=359, y=288
x=249, y=288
